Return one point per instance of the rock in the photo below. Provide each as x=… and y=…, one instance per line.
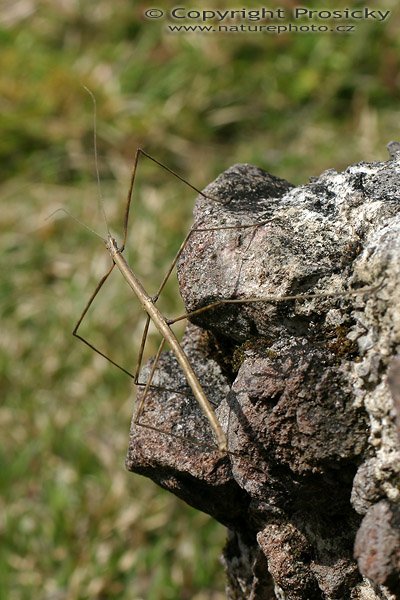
x=300, y=386
x=377, y=546
x=394, y=386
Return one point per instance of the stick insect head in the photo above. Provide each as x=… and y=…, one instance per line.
x=112, y=245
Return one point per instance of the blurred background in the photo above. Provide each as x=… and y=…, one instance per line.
x=74, y=524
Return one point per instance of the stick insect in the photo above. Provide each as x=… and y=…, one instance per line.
x=148, y=302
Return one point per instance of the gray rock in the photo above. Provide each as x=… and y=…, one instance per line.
x=300, y=386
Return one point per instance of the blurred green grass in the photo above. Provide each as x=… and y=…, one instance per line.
x=74, y=524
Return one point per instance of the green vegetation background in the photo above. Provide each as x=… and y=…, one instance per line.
x=74, y=524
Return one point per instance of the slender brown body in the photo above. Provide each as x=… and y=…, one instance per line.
x=167, y=333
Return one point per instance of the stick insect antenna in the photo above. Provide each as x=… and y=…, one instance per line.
x=96, y=158
x=64, y=210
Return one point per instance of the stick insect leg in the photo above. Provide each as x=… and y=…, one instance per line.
x=141, y=350
x=271, y=298
x=129, y=197
x=84, y=312
x=140, y=152
x=148, y=383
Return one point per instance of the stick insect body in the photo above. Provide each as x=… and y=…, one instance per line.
x=159, y=321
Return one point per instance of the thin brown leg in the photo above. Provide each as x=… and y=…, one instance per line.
x=140, y=152
x=141, y=350
x=129, y=197
x=148, y=383
x=84, y=312
x=271, y=298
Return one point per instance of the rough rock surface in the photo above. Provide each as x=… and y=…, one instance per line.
x=377, y=545
x=300, y=386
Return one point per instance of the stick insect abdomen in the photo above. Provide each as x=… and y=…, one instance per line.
x=167, y=333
